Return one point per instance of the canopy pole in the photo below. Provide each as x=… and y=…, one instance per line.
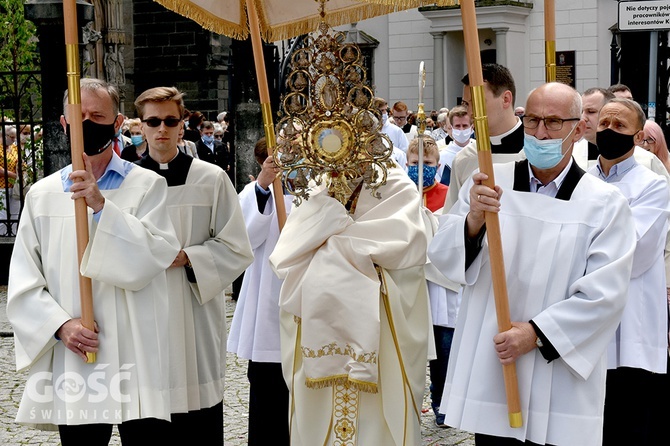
x=264, y=93
x=77, y=151
x=550, y=40
x=476, y=77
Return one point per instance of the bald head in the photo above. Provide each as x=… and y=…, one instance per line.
x=569, y=99
x=562, y=105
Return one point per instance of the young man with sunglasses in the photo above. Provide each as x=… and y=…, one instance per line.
x=131, y=243
x=215, y=250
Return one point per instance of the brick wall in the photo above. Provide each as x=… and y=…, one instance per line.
x=172, y=50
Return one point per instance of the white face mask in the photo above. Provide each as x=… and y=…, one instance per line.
x=461, y=136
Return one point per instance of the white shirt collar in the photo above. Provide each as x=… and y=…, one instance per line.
x=552, y=187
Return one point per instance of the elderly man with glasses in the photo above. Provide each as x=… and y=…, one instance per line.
x=568, y=244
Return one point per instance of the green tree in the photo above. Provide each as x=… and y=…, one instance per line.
x=19, y=93
x=18, y=41
x=20, y=96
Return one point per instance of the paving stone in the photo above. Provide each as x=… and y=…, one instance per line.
x=235, y=401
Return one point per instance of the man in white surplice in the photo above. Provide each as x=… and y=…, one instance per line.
x=354, y=316
x=254, y=331
x=131, y=243
x=568, y=243
x=637, y=354
x=215, y=249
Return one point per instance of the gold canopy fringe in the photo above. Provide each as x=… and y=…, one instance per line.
x=341, y=380
x=208, y=20
x=357, y=13
x=333, y=18
x=240, y=31
x=408, y=4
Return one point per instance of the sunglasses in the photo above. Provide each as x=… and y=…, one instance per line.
x=156, y=122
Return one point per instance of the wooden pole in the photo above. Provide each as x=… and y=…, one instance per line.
x=492, y=223
x=77, y=151
x=264, y=93
x=550, y=40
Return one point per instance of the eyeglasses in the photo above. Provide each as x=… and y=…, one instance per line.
x=156, y=122
x=649, y=140
x=400, y=118
x=553, y=124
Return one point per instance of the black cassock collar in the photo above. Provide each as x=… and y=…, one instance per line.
x=522, y=179
x=177, y=169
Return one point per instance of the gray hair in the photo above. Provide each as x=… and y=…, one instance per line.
x=634, y=106
x=442, y=118
x=91, y=84
x=576, y=107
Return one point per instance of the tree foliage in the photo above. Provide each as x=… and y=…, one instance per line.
x=19, y=92
x=18, y=41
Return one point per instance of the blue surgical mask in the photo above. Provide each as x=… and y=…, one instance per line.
x=207, y=139
x=137, y=140
x=385, y=117
x=544, y=153
x=429, y=173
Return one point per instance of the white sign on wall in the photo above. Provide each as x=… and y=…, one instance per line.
x=644, y=16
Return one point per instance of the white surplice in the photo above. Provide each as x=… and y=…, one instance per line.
x=396, y=135
x=128, y=251
x=641, y=338
x=254, y=331
x=327, y=258
x=210, y=228
x=464, y=165
x=567, y=268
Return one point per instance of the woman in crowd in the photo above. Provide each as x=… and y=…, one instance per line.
x=654, y=141
x=138, y=146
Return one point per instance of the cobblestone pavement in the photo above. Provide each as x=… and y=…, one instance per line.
x=235, y=401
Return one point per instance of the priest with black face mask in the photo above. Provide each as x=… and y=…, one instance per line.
x=131, y=243
x=637, y=355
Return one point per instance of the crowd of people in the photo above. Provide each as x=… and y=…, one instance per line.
x=20, y=166
x=341, y=311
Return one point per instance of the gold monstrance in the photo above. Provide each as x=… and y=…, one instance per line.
x=330, y=130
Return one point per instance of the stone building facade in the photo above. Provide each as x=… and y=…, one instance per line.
x=142, y=45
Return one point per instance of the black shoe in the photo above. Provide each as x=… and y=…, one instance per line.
x=439, y=421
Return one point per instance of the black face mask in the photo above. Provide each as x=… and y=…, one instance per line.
x=613, y=145
x=97, y=137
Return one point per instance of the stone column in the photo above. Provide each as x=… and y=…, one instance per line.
x=47, y=15
x=438, y=71
x=501, y=45
x=248, y=123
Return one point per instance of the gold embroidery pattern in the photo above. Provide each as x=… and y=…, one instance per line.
x=345, y=413
x=333, y=349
